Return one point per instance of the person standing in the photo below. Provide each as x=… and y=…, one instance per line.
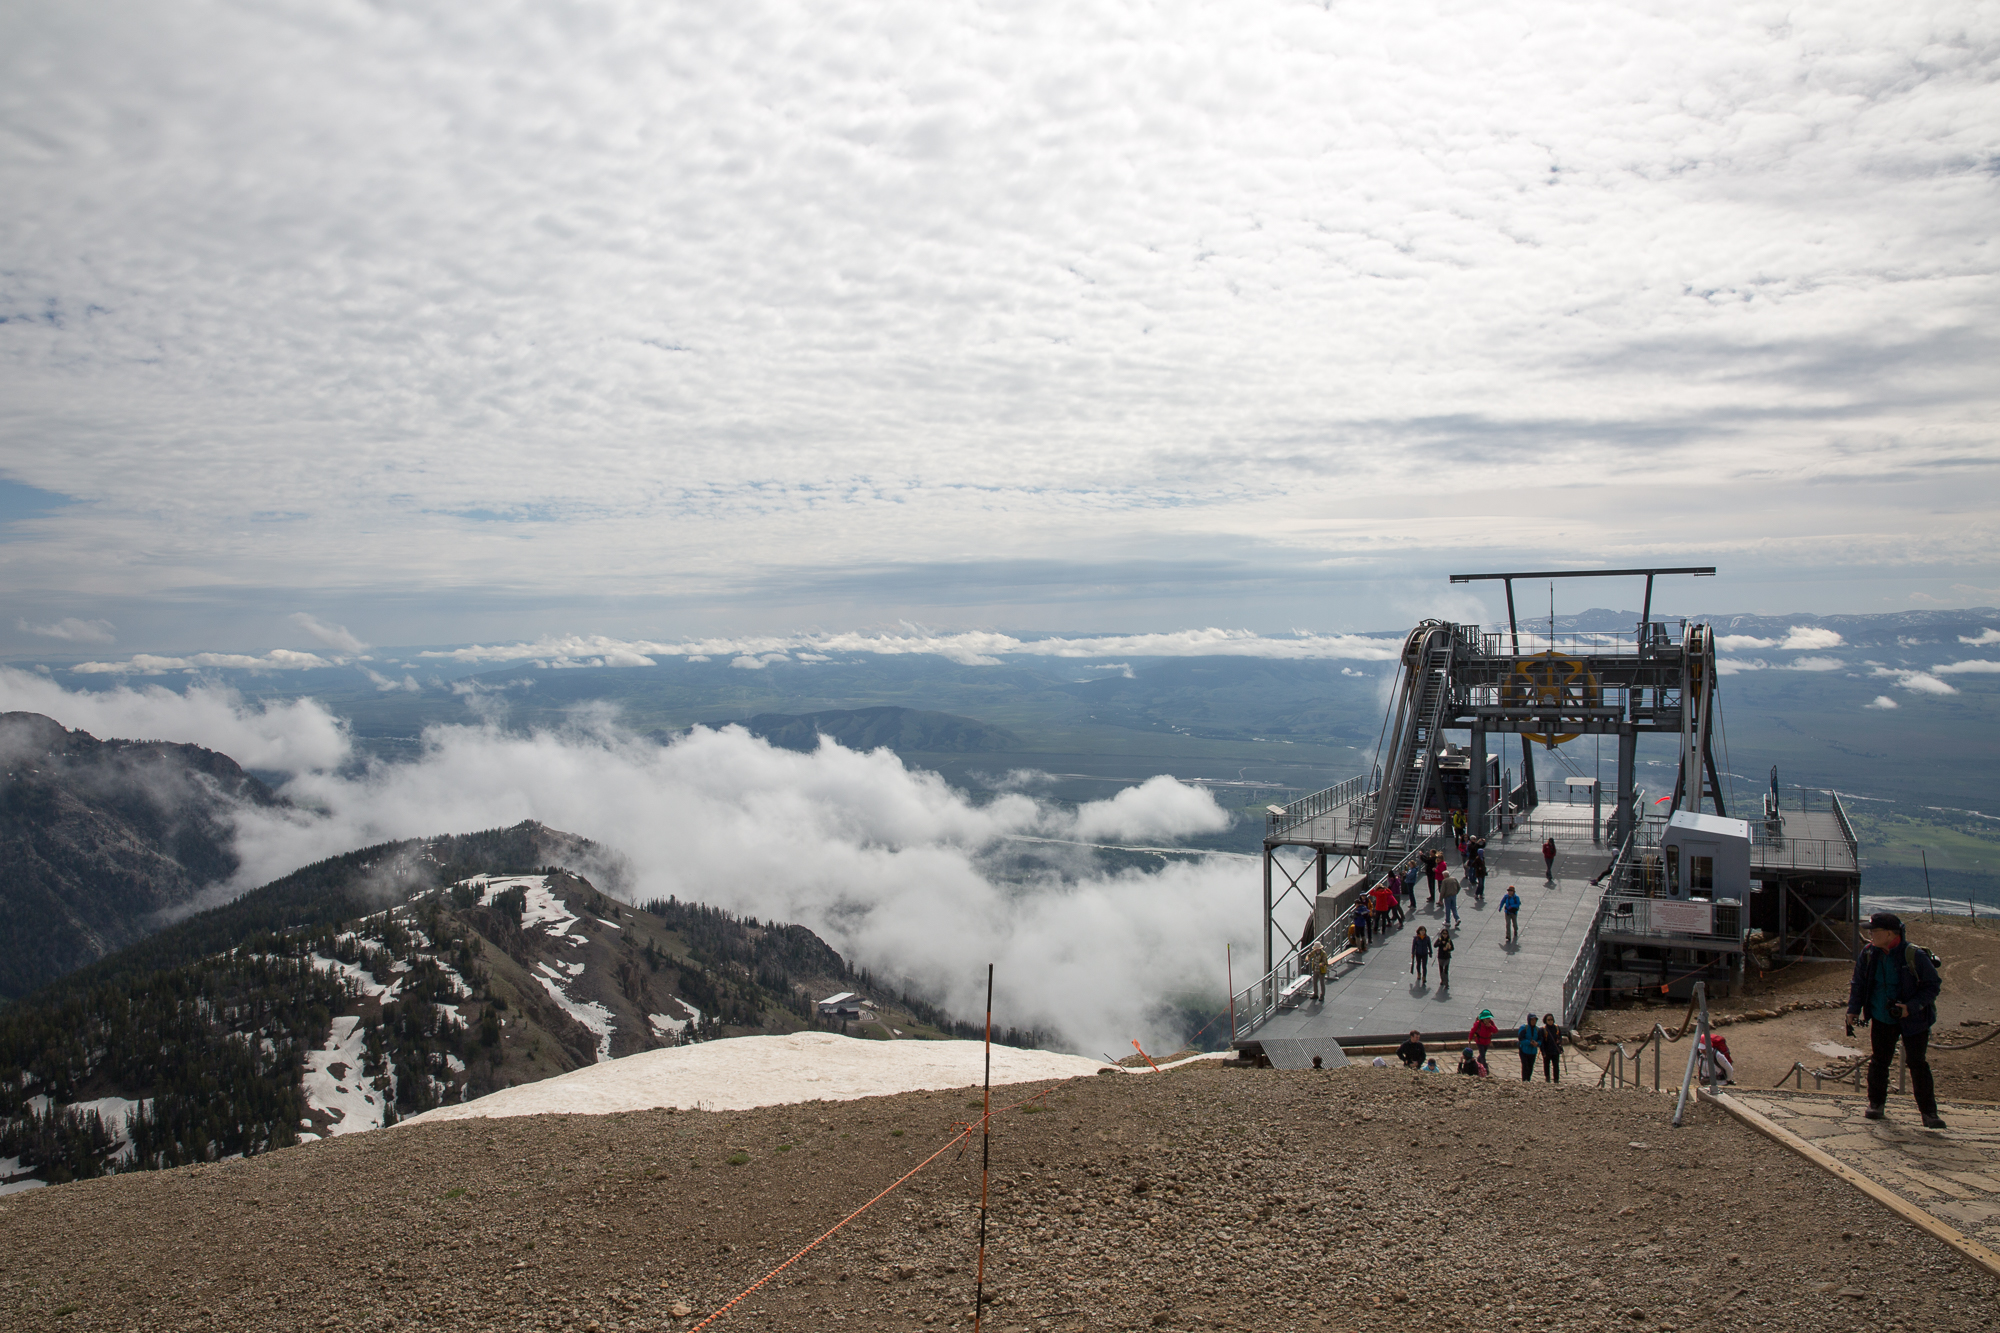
x=1448, y=887
x=1420, y=956
x=1550, y=1042
x=1895, y=987
x=1549, y=860
x=1316, y=964
x=1477, y=874
x=1434, y=869
x=1511, y=905
x=1524, y=1046
x=1484, y=1030
x=1443, y=949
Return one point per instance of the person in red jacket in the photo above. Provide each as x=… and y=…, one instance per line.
x=1483, y=1032
x=1549, y=861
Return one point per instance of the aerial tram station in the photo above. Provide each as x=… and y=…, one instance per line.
x=1676, y=886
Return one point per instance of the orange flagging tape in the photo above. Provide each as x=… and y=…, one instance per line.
x=963, y=1133
x=1142, y=1054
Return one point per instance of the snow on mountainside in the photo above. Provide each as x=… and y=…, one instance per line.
x=493, y=981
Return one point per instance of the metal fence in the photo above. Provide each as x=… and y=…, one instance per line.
x=1308, y=808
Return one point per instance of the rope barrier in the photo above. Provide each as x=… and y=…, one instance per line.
x=965, y=1132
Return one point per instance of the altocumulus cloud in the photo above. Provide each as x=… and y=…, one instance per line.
x=889, y=864
x=551, y=293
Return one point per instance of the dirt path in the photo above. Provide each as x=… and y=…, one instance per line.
x=1765, y=1050
x=1205, y=1198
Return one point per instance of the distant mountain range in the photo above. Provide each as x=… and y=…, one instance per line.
x=1874, y=629
x=99, y=840
x=899, y=729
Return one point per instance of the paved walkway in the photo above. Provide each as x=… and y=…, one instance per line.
x=1953, y=1173
x=1382, y=998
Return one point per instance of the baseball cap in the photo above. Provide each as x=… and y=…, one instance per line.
x=1886, y=921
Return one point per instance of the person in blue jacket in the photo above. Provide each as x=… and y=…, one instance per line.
x=1524, y=1036
x=1511, y=905
x=1895, y=987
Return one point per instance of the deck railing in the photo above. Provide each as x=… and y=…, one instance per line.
x=1254, y=1005
x=1308, y=808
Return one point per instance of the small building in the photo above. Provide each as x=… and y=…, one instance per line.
x=844, y=1005
x=1707, y=857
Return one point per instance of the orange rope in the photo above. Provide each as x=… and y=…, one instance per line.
x=963, y=1133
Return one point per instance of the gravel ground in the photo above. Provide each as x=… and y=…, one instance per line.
x=1205, y=1198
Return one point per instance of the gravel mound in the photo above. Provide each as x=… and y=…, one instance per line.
x=1208, y=1198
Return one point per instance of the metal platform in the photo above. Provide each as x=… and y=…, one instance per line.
x=1381, y=998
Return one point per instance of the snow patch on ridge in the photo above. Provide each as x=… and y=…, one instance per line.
x=333, y=1082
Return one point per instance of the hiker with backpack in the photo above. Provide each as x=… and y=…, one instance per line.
x=1511, y=905
x=1895, y=988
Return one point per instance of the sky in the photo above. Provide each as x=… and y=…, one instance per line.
x=431, y=324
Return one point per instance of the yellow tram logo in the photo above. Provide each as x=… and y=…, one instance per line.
x=1550, y=679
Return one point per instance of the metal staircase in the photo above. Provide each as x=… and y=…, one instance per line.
x=1412, y=766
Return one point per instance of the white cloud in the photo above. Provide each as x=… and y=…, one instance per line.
x=889, y=865
x=1969, y=665
x=71, y=630
x=1815, y=664
x=1798, y=638
x=387, y=684
x=1982, y=639
x=970, y=648
x=333, y=636
x=1882, y=701
x=147, y=664
x=1729, y=666
x=295, y=737
x=1918, y=682
x=758, y=295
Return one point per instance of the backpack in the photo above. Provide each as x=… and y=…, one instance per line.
x=1910, y=952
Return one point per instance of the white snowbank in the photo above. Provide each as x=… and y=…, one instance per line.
x=594, y=1016
x=743, y=1072
x=349, y=1096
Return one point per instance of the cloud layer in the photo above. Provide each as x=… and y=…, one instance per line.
x=620, y=296
x=893, y=867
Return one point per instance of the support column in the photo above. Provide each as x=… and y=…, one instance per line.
x=1269, y=960
x=1628, y=758
x=1475, y=790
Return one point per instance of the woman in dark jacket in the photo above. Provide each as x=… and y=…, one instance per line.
x=1443, y=949
x=1420, y=956
x=1550, y=1041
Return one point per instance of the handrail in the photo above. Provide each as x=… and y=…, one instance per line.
x=1257, y=1002
x=1311, y=807
x=1699, y=997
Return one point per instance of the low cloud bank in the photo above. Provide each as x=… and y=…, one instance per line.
x=893, y=867
x=972, y=648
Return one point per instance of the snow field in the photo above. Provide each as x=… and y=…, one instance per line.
x=350, y=1100
x=743, y=1072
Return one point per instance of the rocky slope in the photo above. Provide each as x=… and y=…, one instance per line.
x=100, y=838
x=290, y=1016
x=1206, y=1198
